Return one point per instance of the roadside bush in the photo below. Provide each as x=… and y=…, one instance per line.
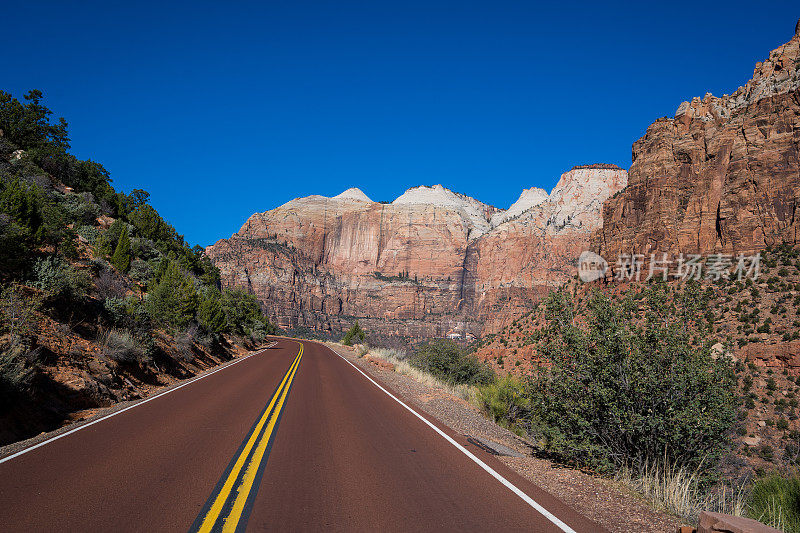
x=260, y=329
x=184, y=342
x=242, y=312
x=775, y=501
x=507, y=402
x=628, y=387
x=448, y=361
x=123, y=346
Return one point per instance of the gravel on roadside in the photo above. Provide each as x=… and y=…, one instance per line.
x=605, y=501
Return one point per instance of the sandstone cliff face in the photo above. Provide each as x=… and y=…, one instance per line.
x=723, y=175
x=429, y=263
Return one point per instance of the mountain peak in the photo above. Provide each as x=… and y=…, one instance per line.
x=527, y=199
x=353, y=193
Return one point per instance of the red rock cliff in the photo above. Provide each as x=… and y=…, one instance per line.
x=723, y=175
x=429, y=263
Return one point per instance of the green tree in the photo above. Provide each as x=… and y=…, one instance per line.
x=107, y=244
x=174, y=300
x=122, y=254
x=241, y=309
x=210, y=314
x=354, y=334
x=28, y=124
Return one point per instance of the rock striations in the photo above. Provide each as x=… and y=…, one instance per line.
x=723, y=175
x=430, y=263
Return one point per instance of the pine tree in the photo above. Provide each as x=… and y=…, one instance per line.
x=355, y=334
x=174, y=300
x=210, y=315
x=122, y=254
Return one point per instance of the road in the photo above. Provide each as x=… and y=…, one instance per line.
x=292, y=438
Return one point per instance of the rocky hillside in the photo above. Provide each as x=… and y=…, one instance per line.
x=756, y=322
x=723, y=175
x=431, y=263
x=101, y=300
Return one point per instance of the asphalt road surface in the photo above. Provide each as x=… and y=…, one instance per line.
x=292, y=438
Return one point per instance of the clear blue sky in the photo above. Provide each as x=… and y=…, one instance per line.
x=222, y=109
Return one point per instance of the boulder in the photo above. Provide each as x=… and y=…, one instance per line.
x=721, y=523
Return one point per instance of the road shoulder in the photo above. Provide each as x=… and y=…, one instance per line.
x=602, y=500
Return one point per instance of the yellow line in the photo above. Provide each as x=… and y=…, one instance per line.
x=219, y=502
x=252, y=469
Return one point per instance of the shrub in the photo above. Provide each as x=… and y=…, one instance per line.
x=140, y=271
x=259, y=330
x=123, y=347
x=109, y=284
x=506, y=401
x=58, y=279
x=17, y=369
x=184, y=342
x=115, y=309
x=775, y=501
x=17, y=312
x=628, y=387
x=448, y=361
x=89, y=233
x=242, y=312
x=766, y=452
x=354, y=334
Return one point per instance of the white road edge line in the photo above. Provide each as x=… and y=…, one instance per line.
x=159, y=395
x=527, y=499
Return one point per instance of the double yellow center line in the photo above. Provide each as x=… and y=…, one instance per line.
x=228, y=506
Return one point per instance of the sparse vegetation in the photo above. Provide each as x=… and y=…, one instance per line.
x=446, y=360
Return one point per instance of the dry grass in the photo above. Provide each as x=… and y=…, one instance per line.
x=677, y=490
x=123, y=347
x=399, y=359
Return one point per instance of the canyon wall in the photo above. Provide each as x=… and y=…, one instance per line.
x=722, y=176
x=431, y=263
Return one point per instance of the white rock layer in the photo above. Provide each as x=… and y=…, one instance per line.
x=353, y=193
x=529, y=198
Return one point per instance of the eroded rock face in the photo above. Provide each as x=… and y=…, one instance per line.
x=723, y=175
x=430, y=263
